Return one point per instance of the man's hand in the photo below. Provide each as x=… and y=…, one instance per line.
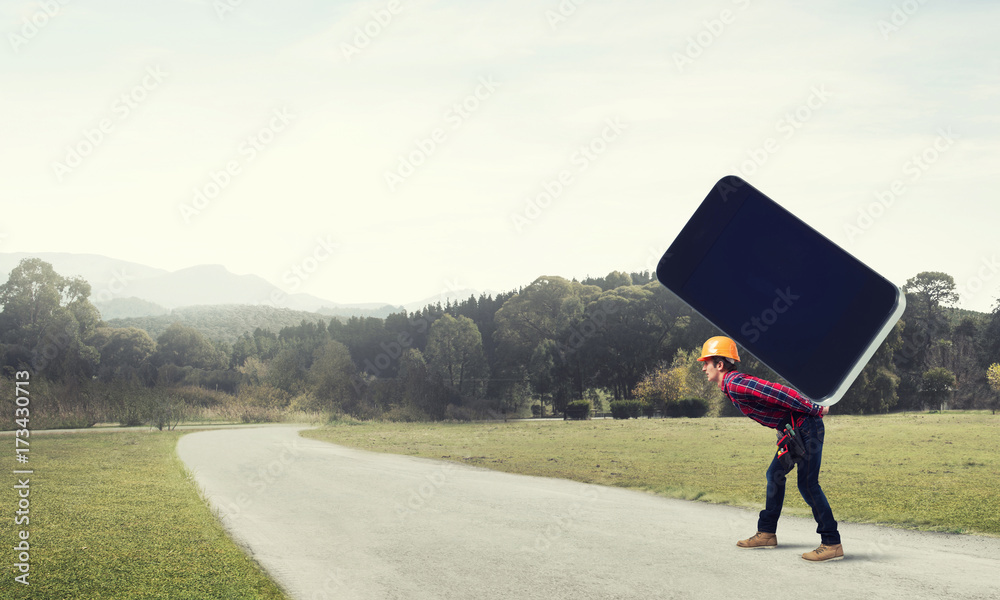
x=826, y=409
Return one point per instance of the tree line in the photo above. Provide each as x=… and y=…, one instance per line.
x=618, y=338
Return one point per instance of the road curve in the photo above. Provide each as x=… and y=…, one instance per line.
x=330, y=522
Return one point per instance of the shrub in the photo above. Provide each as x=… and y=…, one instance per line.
x=244, y=413
x=405, y=413
x=56, y=405
x=219, y=380
x=937, y=385
x=578, y=409
x=308, y=402
x=196, y=396
x=454, y=412
x=475, y=409
x=128, y=403
x=693, y=408
x=165, y=409
x=626, y=409
x=264, y=395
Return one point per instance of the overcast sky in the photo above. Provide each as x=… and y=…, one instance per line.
x=400, y=148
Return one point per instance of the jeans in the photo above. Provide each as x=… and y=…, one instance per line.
x=812, y=433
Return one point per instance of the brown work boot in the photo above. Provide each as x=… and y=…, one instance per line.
x=759, y=540
x=825, y=552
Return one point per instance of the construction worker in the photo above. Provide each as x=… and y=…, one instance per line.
x=774, y=405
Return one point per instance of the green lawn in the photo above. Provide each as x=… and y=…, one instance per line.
x=927, y=471
x=113, y=515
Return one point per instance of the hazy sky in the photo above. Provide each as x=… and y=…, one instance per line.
x=400, y=148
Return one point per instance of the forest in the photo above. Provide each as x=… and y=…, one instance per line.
x=556, y=347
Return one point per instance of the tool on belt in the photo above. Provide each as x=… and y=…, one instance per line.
x=791, y=448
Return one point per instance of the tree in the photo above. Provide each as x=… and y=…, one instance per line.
x=543, y=310
x=619, y=337
x=666, y=386
x=181, y=345
x=875, y=389
x=617, y=279
x=416, y=389
x=541, y=374
x=455, y=350
x=124, y=351
x=930, y=291
x=962, y=356
x=660, y=387
x=49, y=317
x=331, y=376
x=698, y=386
x=254, y=371
x=288, y=370
x=31, y=297
x=927, y=294
x=244, y=349
x=989, y=338
x=937, y=385
x=422, y=392
x=266, y=342
x=373, y=348
x=993, y=377
x=678, y=326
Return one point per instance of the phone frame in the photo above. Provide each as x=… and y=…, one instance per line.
x=844, y=344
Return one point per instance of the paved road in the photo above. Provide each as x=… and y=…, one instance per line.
x=333, y=522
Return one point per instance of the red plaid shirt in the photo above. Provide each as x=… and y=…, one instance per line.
x=770, y=404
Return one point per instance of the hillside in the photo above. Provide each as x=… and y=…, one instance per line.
x=225, y=323
x=124, y=308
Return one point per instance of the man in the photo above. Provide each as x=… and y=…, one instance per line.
x=774, y=405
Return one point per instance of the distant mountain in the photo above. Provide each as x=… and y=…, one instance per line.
x=202, y=285
x=103, y=273
x=114, y=282
x=122, y=289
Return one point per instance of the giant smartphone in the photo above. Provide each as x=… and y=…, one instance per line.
x=798, y=302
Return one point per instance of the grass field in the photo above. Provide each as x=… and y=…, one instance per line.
x=113, y=515
x=936, y=472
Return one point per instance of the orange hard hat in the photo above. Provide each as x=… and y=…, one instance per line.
x=719, y=345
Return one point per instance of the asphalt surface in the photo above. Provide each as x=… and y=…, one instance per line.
x=330, y=522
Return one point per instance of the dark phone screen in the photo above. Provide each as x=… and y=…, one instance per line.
x=787, y=294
